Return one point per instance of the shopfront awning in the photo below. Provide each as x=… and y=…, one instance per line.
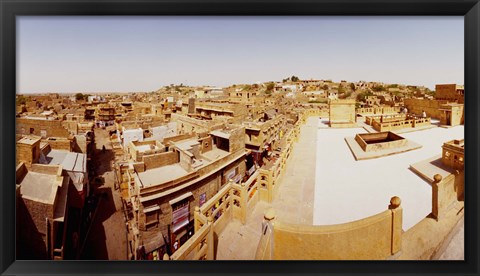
x=154, y=243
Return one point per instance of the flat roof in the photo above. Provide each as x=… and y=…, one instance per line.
x=220, y=134
x=348, y=190
x=30, y=140
x=39, y=187
x=70, y=161
x=186, y=144
x=215, y=154
x=161, y=175
x=144, y=148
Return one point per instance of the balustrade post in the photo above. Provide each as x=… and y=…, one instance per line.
x=270, y=185
x=397, y=219
x=196, y=218
x=437, y=179
x=210, y=239
x=243, y=203
x=267, y=232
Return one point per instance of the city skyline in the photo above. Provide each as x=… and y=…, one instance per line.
x=122, y=54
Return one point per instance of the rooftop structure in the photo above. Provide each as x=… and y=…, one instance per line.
x=212, y=109
x=342, y=113
x=453, y=154
x=43, y=193
x=450, y=92
x=376, y=145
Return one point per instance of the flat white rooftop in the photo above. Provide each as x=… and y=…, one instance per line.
x=348, y=190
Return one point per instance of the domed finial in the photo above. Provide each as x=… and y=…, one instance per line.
x=269, y=214
x=395, y=202
x=437, y=178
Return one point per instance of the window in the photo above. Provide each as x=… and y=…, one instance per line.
x=151, y=217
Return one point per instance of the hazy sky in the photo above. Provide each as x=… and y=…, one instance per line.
x=87, y=54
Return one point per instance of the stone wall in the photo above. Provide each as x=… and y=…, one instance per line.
x=21, y=171
x=138, y=155
x=31, y=241
x=71, y=126
x=186, y=124
x=51, y=128
x=160, y=160
x=60, y=144
x=80, y=144
x=373, y=238
x=178, y=138
x=446, y=191
x=47, y=169
x=431, y=107
x=447, y=91
x=237, y=139
x=205, y=144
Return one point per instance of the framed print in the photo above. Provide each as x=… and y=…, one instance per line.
x=261, y=137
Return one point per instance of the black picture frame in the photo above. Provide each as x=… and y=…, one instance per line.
x=470, y=9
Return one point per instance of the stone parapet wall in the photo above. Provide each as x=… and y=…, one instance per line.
x=446, y=192
x=51, y=128
x=431, y=107
x=378, y=237
x=160, y=159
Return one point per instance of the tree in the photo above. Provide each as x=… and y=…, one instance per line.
x=361, y=96
x=21, y=100
x=325, y=87
x=378, y=88
x=294, y=78
x=352, y=86
x=246, y=87
x=79, y=96
x=345, y=95
x=270, y=86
